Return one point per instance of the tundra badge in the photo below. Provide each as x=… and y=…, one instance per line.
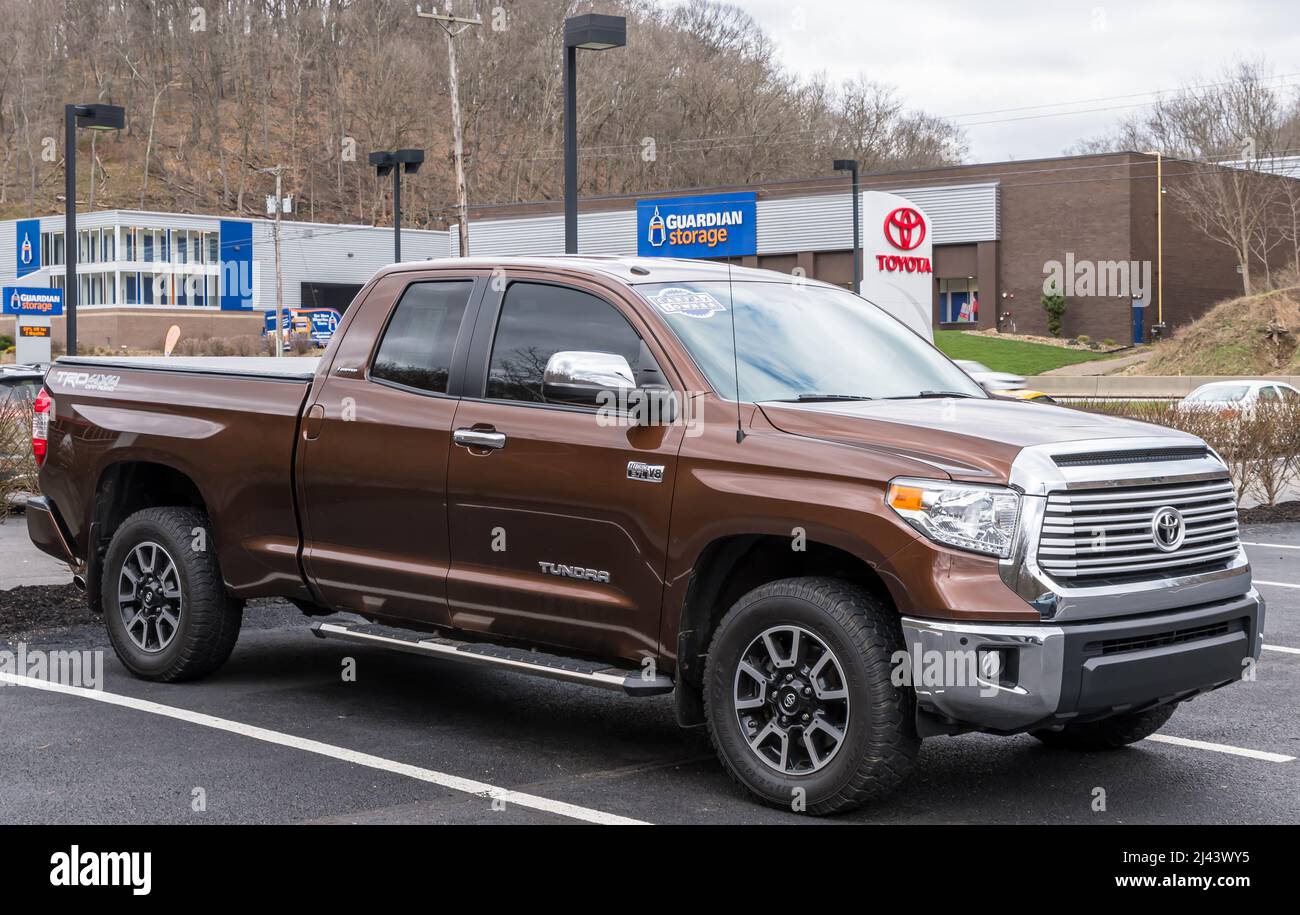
x=646, y=473
x=578, y=572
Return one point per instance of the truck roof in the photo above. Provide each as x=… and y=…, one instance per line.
x=626, y=268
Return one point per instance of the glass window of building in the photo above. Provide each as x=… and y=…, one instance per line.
x=959, y=300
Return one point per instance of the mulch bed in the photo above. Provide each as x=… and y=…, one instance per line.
x=38, y=608
x=1271, y=514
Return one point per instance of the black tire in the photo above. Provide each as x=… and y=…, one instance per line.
x=1109, y=733
x=880, y=743
x=208, y=619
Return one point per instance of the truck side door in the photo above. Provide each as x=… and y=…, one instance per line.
x=374, y=458
x=555, y=539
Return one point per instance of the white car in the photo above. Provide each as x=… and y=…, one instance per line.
x=1239, y=395
x=988, y=379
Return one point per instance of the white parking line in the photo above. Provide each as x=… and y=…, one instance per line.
x=1221, y=748
x=1273, y=546
x=1280, y=648
x=454, y=782
x=1275, y=584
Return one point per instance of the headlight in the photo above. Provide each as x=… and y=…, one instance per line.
x=977, y=518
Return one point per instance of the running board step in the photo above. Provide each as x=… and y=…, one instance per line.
x=539, y=664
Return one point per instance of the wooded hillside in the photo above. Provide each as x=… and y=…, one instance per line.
x=216, y=90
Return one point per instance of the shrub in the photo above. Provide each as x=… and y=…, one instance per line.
x=1054, y=305
x=17, y=466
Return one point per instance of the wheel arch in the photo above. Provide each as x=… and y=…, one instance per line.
x=124, y=488
x=734, y=565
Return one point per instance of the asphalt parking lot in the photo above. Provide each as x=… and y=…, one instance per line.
x=278, y=736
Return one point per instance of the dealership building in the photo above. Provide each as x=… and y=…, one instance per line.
x=141, y=272
x=982, y=238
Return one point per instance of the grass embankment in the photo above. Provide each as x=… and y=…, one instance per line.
x=1232, y=339
x=1019, y=357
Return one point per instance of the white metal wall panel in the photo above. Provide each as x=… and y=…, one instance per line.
x=598, y=233
x=959, y=214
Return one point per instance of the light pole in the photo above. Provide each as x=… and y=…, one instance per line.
x=851, y=166
x=591, y=32
x=89, y=117
x=453, y=26
x=409, y=161
x=1159, y=327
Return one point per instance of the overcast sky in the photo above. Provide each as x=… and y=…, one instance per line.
x=962, y=57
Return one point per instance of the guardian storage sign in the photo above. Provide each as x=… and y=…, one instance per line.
x=28, y=246
x=33, y=307
x=715, y=225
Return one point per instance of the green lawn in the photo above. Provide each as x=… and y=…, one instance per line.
x=1014, y=356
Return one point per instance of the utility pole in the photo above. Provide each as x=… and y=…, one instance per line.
x=277, y=206
x=452, y=26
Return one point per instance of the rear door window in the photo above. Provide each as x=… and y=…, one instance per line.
x=418, y=343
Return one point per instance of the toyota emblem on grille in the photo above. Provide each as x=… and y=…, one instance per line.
x=1168, y=529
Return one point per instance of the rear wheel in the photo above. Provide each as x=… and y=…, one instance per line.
x=1109, y=733
x=165, y=605
x=799, y=698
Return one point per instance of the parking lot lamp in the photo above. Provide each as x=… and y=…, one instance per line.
x=396, y=162
x=88, y=117
x=851, y=166
x=591, y=32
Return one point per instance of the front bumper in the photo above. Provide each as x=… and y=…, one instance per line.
x=1054, y=673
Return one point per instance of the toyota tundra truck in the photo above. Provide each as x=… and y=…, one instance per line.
x=761, y=494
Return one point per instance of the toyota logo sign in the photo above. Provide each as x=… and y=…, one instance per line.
x=905, y=228
x=1168, y=529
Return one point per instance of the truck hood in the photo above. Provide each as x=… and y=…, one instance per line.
x=974, y=440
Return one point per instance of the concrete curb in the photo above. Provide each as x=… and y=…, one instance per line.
x=1134, y=386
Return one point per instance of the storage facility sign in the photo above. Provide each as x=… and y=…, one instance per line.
x=27, y=238
x=27, y=300
x=714, y=225
x=33, y=307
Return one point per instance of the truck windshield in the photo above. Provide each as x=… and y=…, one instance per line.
x=801, y=342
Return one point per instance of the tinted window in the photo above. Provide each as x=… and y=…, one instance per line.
x=417, y=346
x=537, y=322
x=1268, y=393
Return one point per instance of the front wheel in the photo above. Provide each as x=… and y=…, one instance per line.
x=168, y=615
x=799, y=700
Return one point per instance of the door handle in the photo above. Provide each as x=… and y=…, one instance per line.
x=479, y=438
x=312, y=422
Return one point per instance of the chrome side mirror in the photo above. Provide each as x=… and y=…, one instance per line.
x=579, y=377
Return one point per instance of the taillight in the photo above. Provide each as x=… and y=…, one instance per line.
x=41, y=411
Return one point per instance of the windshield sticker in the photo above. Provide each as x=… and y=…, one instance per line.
x=677, y=301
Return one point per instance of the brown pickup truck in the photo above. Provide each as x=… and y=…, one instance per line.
x=762, y=494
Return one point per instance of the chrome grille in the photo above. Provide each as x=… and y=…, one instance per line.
x=1091, y=534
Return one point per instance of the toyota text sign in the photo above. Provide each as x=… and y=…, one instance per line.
x=716, y=225
x=897, y=266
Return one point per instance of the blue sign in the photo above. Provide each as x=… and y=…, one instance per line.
x=324, y=322
x=236, y=241
x=30, y=300
x=28, y=242
x=715, y=225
